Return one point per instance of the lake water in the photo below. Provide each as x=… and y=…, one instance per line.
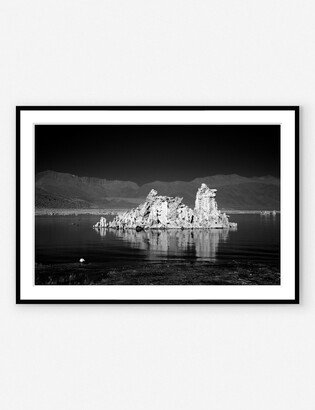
x=66, y=239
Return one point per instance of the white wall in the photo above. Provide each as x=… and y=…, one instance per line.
x=156, y=52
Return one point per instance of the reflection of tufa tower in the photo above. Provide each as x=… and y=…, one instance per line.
x=200, y=243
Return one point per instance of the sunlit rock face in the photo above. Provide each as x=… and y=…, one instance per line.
x=164, y=212
x=206, y=213
x=157, y=212
x=205, y=203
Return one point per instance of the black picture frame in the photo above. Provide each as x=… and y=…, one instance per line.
x=20, y=109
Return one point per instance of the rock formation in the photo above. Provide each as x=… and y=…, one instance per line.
x=164, y=212
x=102, y=223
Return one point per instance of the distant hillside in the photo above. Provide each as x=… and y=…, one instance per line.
x=61, y=190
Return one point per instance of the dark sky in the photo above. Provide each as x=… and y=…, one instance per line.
x=166, y=153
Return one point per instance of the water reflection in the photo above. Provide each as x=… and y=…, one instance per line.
x=201, y=243
x=271, y=218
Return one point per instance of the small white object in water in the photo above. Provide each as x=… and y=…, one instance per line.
x=82, y=260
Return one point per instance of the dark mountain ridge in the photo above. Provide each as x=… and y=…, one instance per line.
x=62, y=190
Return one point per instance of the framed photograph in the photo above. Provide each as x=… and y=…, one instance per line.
x=157, y=204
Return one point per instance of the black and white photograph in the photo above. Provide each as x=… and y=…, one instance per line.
x=156, y=205
x=141, y=205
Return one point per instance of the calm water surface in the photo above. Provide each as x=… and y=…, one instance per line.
x=66, y=239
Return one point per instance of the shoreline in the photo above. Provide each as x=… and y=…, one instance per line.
x=77, y=212
x=101, y=211
x=158, y=273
